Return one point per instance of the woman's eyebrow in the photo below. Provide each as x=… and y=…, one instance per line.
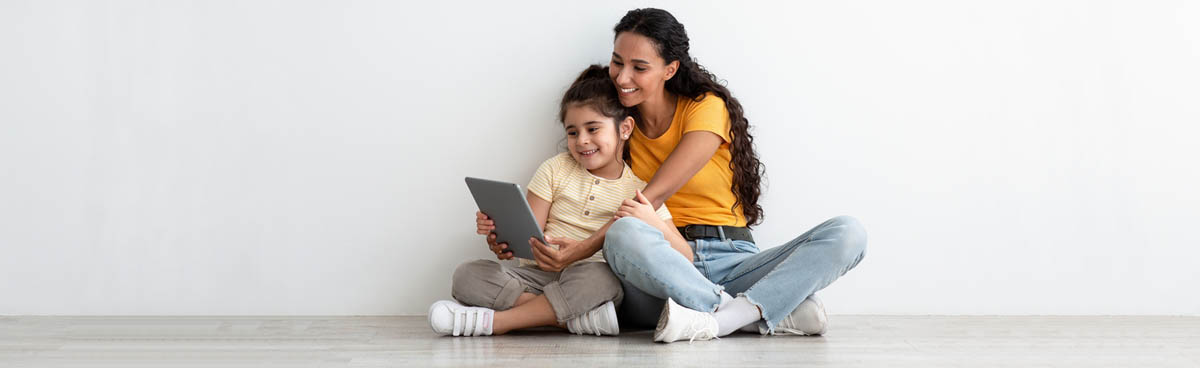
x=638, y=61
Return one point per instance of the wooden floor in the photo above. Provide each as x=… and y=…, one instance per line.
x=853, y=341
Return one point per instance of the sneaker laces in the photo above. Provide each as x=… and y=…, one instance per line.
x=698, y=330
x=787, y=324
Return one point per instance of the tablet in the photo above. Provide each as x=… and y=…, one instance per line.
x=505, y=204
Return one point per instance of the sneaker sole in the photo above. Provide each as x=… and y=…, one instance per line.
x=662, y=320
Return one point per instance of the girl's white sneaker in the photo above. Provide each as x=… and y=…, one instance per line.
x=447, y=317
x=599, y=321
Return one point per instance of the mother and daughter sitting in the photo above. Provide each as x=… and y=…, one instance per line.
x=648, y=213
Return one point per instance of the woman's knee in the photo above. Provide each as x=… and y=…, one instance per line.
x=627, y=241
x=623, y=234
x=851, y=237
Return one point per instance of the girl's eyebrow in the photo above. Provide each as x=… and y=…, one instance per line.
x=593, y=122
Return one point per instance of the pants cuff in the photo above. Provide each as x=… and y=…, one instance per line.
x=508, y=295
x=562, y=310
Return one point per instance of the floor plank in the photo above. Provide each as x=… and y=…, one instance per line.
x=853, y=341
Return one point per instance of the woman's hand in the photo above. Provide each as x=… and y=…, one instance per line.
x=640, y=208
x=484, y=226
x=549, y=259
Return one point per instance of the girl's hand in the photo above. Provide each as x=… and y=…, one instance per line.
x=484, y=226
x=549, y=259
x=640, y=208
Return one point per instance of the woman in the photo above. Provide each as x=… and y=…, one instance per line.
x=692, y=145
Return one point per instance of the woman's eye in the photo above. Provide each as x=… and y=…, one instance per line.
x=593, y=130
x=617, y=63
x=640, y=69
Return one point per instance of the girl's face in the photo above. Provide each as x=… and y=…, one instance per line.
x=594, y=141
x=637, y=69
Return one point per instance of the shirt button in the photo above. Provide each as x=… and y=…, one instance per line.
x=597, y=181
x=592, y=198
x=585, y=213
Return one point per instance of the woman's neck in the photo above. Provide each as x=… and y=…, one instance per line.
x=657, y=114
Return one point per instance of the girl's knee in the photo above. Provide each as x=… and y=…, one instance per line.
x=471, y=277
x=595, y=279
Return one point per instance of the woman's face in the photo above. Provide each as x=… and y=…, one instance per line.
x=637, y=69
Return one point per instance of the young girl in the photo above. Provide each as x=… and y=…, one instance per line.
x=574, y=196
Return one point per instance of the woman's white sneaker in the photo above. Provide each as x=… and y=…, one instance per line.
x=599, y=321
x=807, y=319
x=678, y=323
x=447, y=317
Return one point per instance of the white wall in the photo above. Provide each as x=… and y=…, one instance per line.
x=284, y=157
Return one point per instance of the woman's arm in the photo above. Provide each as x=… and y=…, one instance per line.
x=695, y=149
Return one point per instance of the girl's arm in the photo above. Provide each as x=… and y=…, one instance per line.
x=540, y=207
x=569, y=251
x=695, y=149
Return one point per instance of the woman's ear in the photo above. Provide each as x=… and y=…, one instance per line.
x=671, y=68
x=626, y=127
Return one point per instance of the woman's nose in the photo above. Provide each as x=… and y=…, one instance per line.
x=622, y=76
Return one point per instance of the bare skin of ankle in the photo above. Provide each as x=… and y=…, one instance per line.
x=524, y=298
x=530, y=311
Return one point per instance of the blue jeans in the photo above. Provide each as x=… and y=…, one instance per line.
x=775, y=280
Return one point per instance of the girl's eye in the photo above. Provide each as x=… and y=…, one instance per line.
x=617, y=63
x=640, y=69
x=571, y=134
x=593, y=130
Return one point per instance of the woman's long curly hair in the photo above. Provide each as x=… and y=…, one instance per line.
x=693, y=81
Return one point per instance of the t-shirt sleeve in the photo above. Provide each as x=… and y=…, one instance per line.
x=542, y=183
x=708, y=115
x=663, y=213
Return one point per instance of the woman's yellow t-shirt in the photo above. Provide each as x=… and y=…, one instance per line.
x=706, y=199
